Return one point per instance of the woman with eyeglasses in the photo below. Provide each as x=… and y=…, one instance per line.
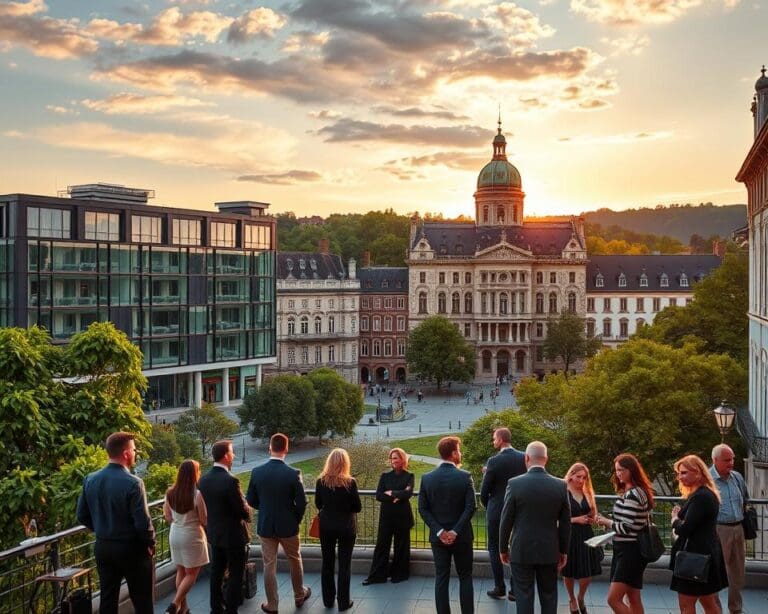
x=395, y=521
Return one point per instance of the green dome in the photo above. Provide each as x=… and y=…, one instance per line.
x=499, y=174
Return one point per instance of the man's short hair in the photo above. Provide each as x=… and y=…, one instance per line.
x=118, y=442
x=278, y=443
x=719, y=449
x=219, y=449
x=447, y=446
x=536, y=450
x=504, y=434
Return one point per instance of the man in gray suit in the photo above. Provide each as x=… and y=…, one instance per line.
x=447, y=503
x=537, y=515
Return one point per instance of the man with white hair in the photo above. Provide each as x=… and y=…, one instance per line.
x=537, y=515
x=733, y=496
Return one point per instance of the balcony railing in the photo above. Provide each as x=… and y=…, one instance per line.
x=73, y=547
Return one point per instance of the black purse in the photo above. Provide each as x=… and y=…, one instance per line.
x=649, y=541
x=749, y=523
x=691, y=566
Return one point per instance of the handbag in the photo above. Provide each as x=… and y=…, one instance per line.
x=691, y=566
x=250, y=580
x=314, y=527
x=649, y=540
x=749, y=522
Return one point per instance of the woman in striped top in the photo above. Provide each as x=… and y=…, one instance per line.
x=630, y=515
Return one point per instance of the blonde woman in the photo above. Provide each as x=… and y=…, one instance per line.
x=583, y=561
x=696, y=527
x=338, y=503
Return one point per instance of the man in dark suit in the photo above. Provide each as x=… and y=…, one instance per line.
x=113, y=504
x=227, y=529
x=447, y=503
x=499, y=469
x=276, y=491
x=537, y=515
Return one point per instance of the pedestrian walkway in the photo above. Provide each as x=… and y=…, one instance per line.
x=416, y=596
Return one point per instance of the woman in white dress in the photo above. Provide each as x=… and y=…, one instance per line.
x=185, y=510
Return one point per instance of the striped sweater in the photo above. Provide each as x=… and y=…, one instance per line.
x=630, y=515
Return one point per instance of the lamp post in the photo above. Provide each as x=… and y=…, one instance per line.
x=243, y=448
x=724, y=417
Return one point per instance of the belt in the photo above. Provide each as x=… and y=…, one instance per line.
x=730, y=524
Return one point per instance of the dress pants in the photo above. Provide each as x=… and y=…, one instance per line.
x=545, y=579
x=292, y=550
x=734, y=554
x=223, y=558
x=497, y=567
x=332, y=589
x=116, y=560
x=461, y=552
x=401, y=559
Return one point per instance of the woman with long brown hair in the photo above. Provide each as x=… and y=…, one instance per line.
x=338, y=503
x=583, y=561
x=185, y=510
x=630, y=516
x=695, y=525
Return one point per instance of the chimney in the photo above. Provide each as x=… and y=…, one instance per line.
x=366, y=259
x=324, y=246
x=352, y=269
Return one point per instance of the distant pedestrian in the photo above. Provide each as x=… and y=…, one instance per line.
x=420, y=396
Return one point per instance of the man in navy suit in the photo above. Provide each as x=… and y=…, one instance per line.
x=499, y=469
x=227, y=528
x=447, y=503
x=276, y=491
x=537, y=515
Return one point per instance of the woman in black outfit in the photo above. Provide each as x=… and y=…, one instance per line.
x=338, y=502
x=396, y=519
x=695, y=525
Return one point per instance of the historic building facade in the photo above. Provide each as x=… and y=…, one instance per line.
x=498, y=279
x=626, y=292
x=317, y=313
x=383, y=324
x=753, y=424
x=195, y=290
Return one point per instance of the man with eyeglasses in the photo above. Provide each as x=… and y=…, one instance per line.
x=113, y=505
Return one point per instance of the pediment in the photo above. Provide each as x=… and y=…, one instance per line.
x=503, y=251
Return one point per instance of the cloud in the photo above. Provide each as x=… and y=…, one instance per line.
x=631, y=44
x=324, y=114
x=617, y=139
x=59, y=110
x=286, y=178
x=137, y=104
x=304, y=40
x=350, y=130
x=522, y=27
x=21, y=9
x=172, y=27
x=258, y=23
x=562, y=64
x=456, y=160
x=110, y=29
x=416, y=112
x=634, y=12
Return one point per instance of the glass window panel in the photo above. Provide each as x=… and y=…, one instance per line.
x=186, y=232
x=53, y=223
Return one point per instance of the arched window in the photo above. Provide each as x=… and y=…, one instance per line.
x=639, y=324
x=622, y=281
x=388, y=323
x=455, y=302
x=364, y=323
x=664, y=280
x=503, y=303
x=291, y=326
x=539, y=302
x=304, y=323
x=441, y=302
x=552, y=302
x=485, y=214
x=364, y=347
x=599, y=280
x=500, y=214
x=331, y=324
x=468, y=302
x=376, y=323
x=607, y=327
x=683, y=280
x=643, y=281
x=572, y=302
x=387, y=347
x=422, y=302
x=376, y=347
x=623, y=327
x=318, y=325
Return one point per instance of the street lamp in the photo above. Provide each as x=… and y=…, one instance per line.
x=724, y=417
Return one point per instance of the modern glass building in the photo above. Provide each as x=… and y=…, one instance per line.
x=195, y=290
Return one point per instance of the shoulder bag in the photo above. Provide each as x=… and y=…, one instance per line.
x=649, y=540
x=691, y=566
x=314, y=527
x=749, y=523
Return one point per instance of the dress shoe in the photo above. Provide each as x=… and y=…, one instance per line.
x=264, y=608
x=398, y=580
x=301, y=600
x=511, y=596
x=496, y=593
x=171, y=609
x=582, y=607
x=369, y=581
x=346, y=607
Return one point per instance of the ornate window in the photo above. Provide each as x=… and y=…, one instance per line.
x=441, y=278
x=376, y=347
x=291, y=326
x=539, y=277
x=291, y=356
x=467, y=278
x=553, y=277
x=441, y=306
x=331, y=353
x=552, y=302
x=599, y=280
x=422, y=302
x=500, y=214
x=455, y=303
x=622, y=281
x=468, y=302
x=388, y=323
x=456, y=278
x=364, y=347
x=503, y=303
x=364, y=323
x=400, y=323
x=643, y=281
x=572, y=302
x=664, y=280
x=607, y=327
x=401, y=347
x=318, y=325
x=539, y=302
x=640, y=304
x=623, y=327
x=683, y=280
x=304, y=322
x=318, y=354
x=387, y=347
x=331, y=324
x=376, y=323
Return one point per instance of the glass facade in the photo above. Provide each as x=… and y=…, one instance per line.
x=6, y=289
x=49, y=223
x=186, y=232
x=102, y=226
x=223, y=234
x=146, y=229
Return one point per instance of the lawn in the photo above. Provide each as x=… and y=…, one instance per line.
x=423, y=446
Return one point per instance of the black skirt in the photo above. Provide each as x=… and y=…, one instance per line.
x=628, y=565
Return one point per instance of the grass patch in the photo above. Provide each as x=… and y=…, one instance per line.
x=423, y=446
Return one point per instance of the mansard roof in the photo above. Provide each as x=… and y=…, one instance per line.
x=462, y=239
x=309, y=265
x=383, y=280
x=654, y=267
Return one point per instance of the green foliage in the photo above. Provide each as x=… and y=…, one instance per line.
x=567, y=340
x=165, y=446
x=423, y=446
x=285, y=404
x=617, y=240
x=62, y=496
x=338, y=405
x=437, y=351
x=189, y=446
x=368, y=460
x=158, y=479
x=206, y=424
x=646, y=398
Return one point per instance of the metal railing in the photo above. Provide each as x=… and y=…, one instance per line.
x=20, y=566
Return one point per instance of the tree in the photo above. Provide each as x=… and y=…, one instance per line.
x=646, y=398
x=437, y=351
x=206, y=424
x=285, y=404
x=165, y=446
x=158, y=479
x=339, y=404
x=567, y=340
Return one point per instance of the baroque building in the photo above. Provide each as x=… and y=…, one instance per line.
x=317, y=313
x=753, y=424
x=498, y=279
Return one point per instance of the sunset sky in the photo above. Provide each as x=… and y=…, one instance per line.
x=324, y=106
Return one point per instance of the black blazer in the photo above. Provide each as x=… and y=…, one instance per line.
x=276, y=491
x=338, y=507
x=447, y=502
x=398, y=514
x=228, y=513
x=696, y=525
x=500, y=468
x=537, y=514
